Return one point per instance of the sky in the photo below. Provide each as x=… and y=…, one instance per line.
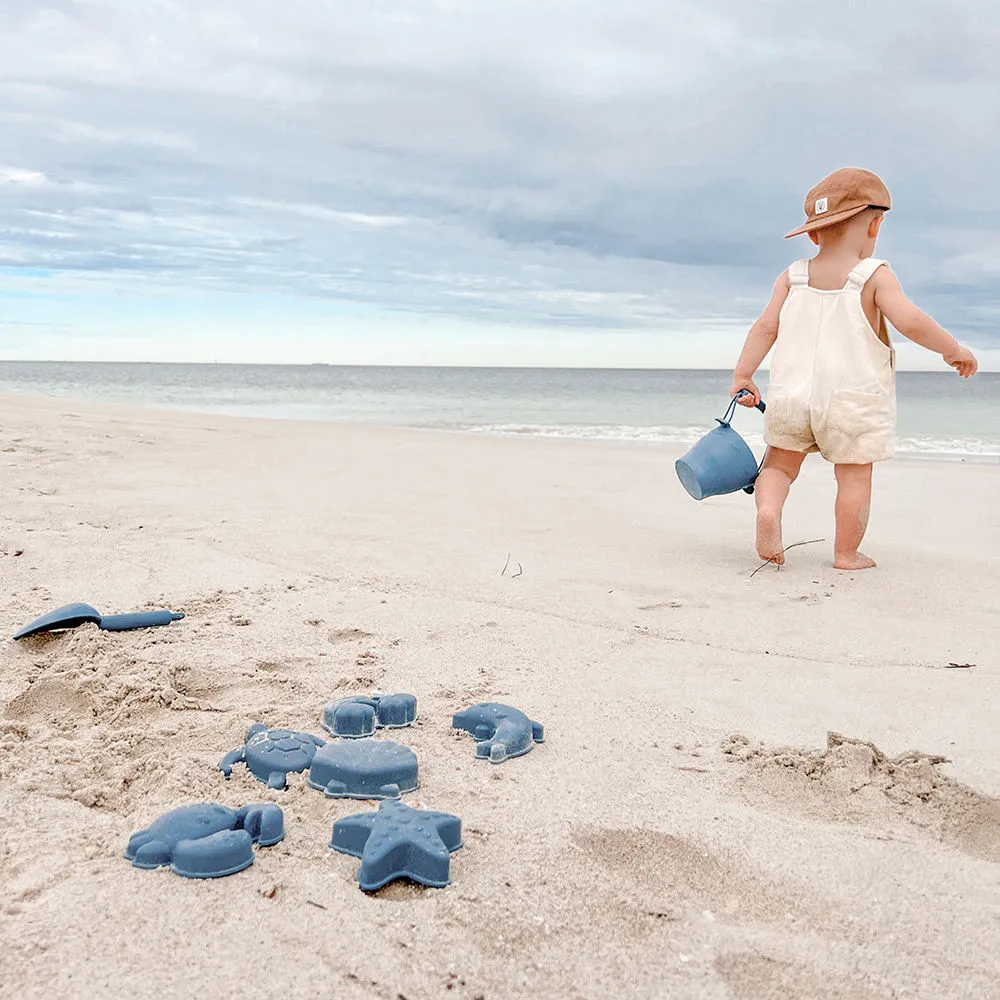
x=550, y=182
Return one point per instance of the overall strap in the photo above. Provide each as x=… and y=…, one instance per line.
x=858, y=277
x=798, y=273
x=856, y=281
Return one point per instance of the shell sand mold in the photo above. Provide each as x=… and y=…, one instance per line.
x=639, y=851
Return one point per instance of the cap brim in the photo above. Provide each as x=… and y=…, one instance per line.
x=827, y=220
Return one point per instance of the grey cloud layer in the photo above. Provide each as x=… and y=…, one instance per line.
x=579, y=163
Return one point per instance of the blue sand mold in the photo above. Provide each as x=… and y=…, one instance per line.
x=394, y=711
x=206, y=840
x=270, y=754
x=399, y=842
x=364, y=769
x=500, y=731
x=359, y=717
x=352, y=718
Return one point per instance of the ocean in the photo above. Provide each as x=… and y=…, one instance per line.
x=940, y=415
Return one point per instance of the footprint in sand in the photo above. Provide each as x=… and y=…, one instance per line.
x=348, y=634
x=805, y=598
x=673, y=872
x=270, y=666
x=754, y=977
x=51, y=700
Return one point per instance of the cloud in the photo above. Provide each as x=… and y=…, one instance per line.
x=15, y=175
x=567, y=164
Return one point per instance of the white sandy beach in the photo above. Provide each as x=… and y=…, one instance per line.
x=681, y=833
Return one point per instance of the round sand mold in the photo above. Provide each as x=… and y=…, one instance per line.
x=364, y=769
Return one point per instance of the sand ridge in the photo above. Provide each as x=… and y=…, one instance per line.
x=853, y=780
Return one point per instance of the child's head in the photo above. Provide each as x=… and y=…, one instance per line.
x=847, y=205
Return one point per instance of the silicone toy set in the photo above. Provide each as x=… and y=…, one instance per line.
x=208, y=840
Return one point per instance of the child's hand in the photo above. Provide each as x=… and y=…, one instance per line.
x=739, y=384
x=962, y=360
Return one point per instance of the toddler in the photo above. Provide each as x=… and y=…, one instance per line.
x=832, y=384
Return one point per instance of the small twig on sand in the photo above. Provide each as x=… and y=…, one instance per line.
x=319, y=906
x=794, y=545
x=505, y=565
x=514, y=576
x=959, y=666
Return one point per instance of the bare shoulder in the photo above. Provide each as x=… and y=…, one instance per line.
x=884, y=288
x=883, y=279
x=769, y=317
x=782, y=286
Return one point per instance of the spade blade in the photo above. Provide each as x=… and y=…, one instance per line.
x=68, y=616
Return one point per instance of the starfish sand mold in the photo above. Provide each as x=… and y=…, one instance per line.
x=398, y=841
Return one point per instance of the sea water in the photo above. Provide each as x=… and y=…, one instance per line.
x=940, y=415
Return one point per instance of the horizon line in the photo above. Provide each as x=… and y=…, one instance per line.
x=330, y=364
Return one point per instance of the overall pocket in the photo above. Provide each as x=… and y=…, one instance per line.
x=854, y=413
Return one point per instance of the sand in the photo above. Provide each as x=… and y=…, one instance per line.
x=688, y=829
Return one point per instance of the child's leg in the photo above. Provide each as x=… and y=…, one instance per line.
x=854, y=498
x=771, y=490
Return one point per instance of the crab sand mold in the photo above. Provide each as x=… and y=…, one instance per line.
x=206, y=840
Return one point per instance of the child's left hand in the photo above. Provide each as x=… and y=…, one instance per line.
x=962, y=360
x=739, y=384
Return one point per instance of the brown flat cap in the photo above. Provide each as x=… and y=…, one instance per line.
x=845, y=193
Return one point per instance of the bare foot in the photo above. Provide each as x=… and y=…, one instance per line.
x=769, y=545
x=856, y=561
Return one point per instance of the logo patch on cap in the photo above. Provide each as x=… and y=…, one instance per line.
x=821, y=206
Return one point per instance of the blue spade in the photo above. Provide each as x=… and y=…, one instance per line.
x=78, y=614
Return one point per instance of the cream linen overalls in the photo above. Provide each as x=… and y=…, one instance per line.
x=832, y=387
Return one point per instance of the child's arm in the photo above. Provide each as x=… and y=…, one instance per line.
x=759, y=341
x=918, y=326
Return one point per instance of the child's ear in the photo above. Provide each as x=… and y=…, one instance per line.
x=874, y=226
x=814, y=236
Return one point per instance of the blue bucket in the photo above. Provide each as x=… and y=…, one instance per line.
x=721, y=462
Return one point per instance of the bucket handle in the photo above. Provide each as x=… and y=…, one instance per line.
x=725, y=421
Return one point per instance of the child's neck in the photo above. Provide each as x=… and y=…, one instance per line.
x=844, y=250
